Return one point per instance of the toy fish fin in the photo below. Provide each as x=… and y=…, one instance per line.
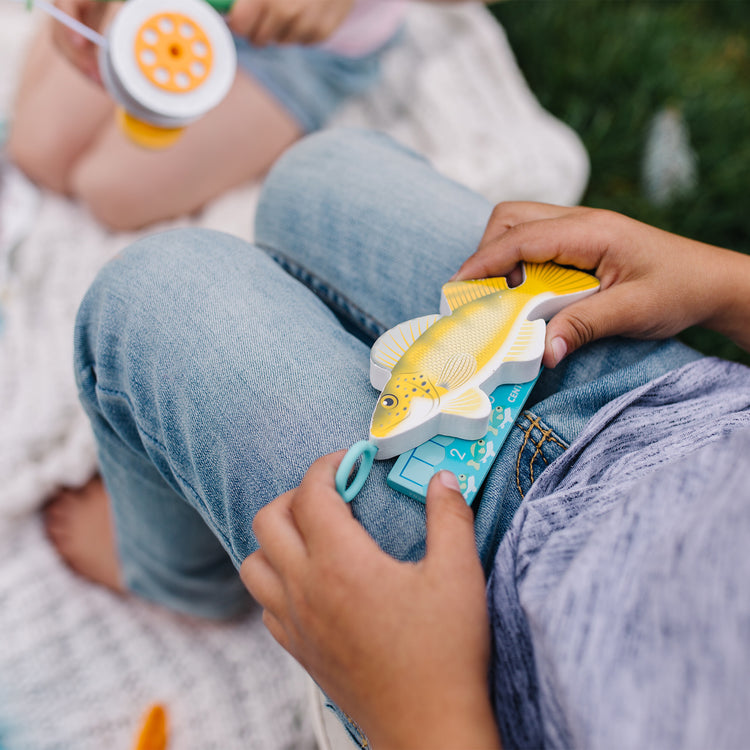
x=471, y=404
x=457, y=293
x=529, y=343
x=456, y=371
x=559, y=286
x=391, y=346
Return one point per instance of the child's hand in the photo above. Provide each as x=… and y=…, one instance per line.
x=287, y=21
x=653, y=284
x=80, y=51
x=403, y=648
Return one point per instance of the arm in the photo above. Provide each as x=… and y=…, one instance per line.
x=653, y=284
x=403, y=648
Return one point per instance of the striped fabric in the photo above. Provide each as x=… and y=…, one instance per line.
x=620, y=596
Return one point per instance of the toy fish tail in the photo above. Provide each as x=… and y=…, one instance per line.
x=560, y=281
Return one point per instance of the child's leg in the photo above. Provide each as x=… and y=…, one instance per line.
x=79, y=523
x=65, y=138
x=213, y=379
x=58, y=113
x=280, y=92
x=128, y=187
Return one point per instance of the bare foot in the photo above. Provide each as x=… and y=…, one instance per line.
x=79, y=525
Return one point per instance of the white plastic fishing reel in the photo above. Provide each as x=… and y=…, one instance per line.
x=166, y=63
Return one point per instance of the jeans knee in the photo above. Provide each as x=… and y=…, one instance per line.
x=326, y=151
x=151, y=262
x=323, y=169
x=140, y=286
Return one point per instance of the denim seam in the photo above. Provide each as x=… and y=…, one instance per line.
x=547, y=436
x=332, y=298
x=351, y=726
x=362, y=737
x=162, y=447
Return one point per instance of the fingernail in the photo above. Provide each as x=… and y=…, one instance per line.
x=448, y=479
x=559, y=349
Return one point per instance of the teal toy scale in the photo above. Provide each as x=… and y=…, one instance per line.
x=469, y=460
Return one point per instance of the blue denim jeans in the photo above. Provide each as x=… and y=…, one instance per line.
x=215, y=372
x=310, y=81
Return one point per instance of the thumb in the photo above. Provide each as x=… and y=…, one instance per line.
x=607, y=313
x=450, y=522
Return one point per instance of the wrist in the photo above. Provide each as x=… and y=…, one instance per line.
x=467, y=723
x=731, y=316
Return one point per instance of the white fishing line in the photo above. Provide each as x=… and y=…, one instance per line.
x=69, y=21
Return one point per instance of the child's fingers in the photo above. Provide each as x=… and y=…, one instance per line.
x=315, y=25
x=274, y=24
x=245, y=17
x=278, y=535
x=512, y=213
x=485, y=262
x=322, y=516
x=278, y=631
x=450, y=522
x=519, y=212
x=263, y=582
x=268, y=27
x=620, y=310
x=78, y=50
x=577, y=238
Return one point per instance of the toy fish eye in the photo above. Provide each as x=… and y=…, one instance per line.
x=462, y=477
x=480, y=442
x=389, y=401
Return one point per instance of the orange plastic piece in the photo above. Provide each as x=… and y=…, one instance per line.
x=173, y=52
x=153, y=734
x=145, y=135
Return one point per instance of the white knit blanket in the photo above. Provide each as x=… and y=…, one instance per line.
x=78, y=665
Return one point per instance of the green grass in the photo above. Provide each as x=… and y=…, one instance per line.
x=607, y=66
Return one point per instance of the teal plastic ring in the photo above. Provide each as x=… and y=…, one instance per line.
x=365, y=450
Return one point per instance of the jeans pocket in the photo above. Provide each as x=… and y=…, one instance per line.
x=540, y=446
x=532, y=445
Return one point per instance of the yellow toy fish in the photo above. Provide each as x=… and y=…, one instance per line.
x=435, y=372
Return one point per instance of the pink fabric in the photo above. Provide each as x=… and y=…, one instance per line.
x=369, y=25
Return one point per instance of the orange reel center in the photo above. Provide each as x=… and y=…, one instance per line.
x=173, y=52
